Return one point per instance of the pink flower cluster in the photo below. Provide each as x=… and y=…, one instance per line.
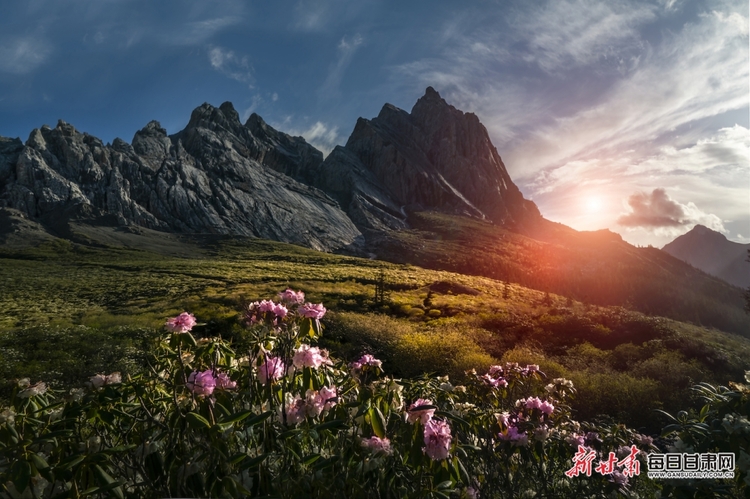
x=99, y=380
x=292, y=297
x=364, y=361
x=295, y=409
x=437, y=439
x=265, y=309
x=307, y=356
x=201, y=383
x=313, y=404
x=320, y=401
x=532, y=403
x=224, y=382
x=271, y=369
x=516, y=437
x=424, y=415
x=377, y=444
x=181, y=324
x=311, y=311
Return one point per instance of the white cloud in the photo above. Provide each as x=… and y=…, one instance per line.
x=699, y=72
x=561, y=34
x=346, y=49
x=321, y=136
x=658, y=212
x=23, y=55
x=230, y=64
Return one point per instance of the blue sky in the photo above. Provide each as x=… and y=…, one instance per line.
x=615, y=114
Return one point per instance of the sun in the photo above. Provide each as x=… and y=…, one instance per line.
x=593, y=204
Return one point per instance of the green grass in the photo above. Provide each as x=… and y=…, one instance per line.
x=69, y=311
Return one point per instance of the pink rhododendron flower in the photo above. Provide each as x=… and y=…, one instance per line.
x=307, y=356
x=280, y=310
x=495, y=370
x=271, y=369
x=533, y=403
x=97, y=381
x=266, y=306
x=532, y=367
x=32, y=390
x=437, y=439
x=292, y=297
x=113, y=379
x=575, y=440
x=320, y=401
x=295, y=409
x=423, y=415
x=312, y=311
x=517, y=438
x=472, y=493
x=377, y=444
x=365, y=360
x=224, y=382
x=494, y=382
x=182, y=323
x=546, y=408
x=201, y=383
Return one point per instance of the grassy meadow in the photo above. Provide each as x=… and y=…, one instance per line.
x=70, y=311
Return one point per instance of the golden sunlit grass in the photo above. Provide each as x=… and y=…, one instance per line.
x=122, y=297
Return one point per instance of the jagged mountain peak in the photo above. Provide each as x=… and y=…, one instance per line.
x=222, y=118
x=437, y=157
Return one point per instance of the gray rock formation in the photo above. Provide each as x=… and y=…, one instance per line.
x=208, y=178
x=437, y=157
x=219, y=176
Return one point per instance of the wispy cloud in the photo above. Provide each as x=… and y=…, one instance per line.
x=345, y=52
x=696, y=73
x=230, y=64
x=562, y=34
x=23, y=55
x=198, y=32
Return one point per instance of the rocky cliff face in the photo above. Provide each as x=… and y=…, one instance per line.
x=435, y=157
x=222, y=177
x=215, y=176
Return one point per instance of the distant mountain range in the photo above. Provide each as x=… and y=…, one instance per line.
x=220, y=176
x=714, y=254
x=425, y=187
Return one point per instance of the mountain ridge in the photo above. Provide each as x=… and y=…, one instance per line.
x=711, y=252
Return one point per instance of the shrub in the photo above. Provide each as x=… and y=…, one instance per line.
x=284, y=419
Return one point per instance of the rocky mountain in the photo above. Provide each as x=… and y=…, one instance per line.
x=714, y=254
x=222, y=177
x=215, y=176
x=434, y=158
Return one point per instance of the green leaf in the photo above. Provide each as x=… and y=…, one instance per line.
x=259, y=418
x=39, y=463
x=188, y=339
x=308, y=460
x=331, y=425
x=107, y=483
x=20, y=475
x=252, y=463
x=237, y=416
x=197, y=421
x=69, y=462
x=452, y=417
x=377, y=421
x=445, y=485
x=306, y=329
